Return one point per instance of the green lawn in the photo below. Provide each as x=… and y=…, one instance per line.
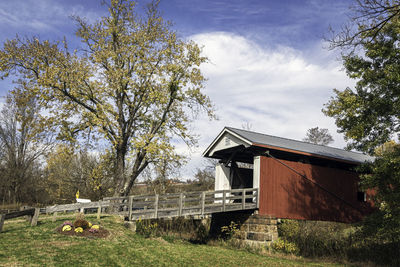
x=23, y=245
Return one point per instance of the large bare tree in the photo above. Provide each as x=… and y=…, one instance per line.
x=21, y=146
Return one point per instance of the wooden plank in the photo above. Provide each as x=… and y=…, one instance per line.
x=78, y=206
x=16, y=214
x=115, y=198
x=161, y=202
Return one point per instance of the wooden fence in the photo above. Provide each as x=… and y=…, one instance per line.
x=99, y=205
x=31, y=214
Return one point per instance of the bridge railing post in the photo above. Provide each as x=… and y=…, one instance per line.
x=98, y=212
x=180, y=204
x=130, y=206
x=243, y=199
x=156, y=200
x=223, y=200
x=203, y=202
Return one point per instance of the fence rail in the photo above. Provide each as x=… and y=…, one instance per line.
x=32, y=216
x=170, y=205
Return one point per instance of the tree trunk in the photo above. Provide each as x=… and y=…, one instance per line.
x=120, y=178
x=139, y=166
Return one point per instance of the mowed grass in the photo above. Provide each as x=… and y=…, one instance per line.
x=23, y=245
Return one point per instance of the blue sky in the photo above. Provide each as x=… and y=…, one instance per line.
x=268, y=65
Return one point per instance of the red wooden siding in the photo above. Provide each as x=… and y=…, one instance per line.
x=285, y=194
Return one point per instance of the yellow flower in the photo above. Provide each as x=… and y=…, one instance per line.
x=79, y=230
x=95, y=226
x=66, y=228
x=90, y=224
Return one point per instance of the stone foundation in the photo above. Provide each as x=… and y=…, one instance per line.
x=253, y=229
x=258, y=229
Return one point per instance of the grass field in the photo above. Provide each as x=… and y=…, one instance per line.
x=23, y=245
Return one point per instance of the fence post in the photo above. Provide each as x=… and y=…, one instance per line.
x=156, y=206
x=203, y=200
x=243, y=199
x=54, y=216
x=130, y=206
x=223, y=200
x=35, y=217
x=2, y=219
x=98, y=212
x=180, y=204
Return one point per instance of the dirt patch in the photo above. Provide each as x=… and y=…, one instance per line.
x=102, y=233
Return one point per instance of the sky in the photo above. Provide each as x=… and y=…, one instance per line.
x=269, y=67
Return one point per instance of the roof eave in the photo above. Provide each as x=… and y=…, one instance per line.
x=308, y=154
x=225, y=130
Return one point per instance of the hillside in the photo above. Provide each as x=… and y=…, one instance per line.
x=22, y=245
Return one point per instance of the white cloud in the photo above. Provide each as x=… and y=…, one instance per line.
x=279, y=91
x=42, y=16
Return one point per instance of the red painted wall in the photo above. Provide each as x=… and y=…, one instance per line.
x=285, y=194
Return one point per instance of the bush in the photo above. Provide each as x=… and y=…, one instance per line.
x=284, y=246
x=337, y=240
x=146, y=228
x=191, y=229
x=201, y=234
x=319, y=239
x=230, y=231
x=81, y=222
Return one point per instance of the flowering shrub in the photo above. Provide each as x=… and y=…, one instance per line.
x=75, y=229
x=94, y=230
x=66, y=228
x=67, y=223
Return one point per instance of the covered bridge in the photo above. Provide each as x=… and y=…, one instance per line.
x=296, y=180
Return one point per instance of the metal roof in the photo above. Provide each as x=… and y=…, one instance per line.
x=259, y=139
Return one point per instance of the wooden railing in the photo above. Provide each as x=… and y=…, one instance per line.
x=186, y=203
x=170, y=205
x=31, y=214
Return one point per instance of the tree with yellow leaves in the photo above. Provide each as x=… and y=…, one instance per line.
x=134, y=84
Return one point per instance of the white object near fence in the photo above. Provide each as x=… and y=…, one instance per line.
x=83, y=200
